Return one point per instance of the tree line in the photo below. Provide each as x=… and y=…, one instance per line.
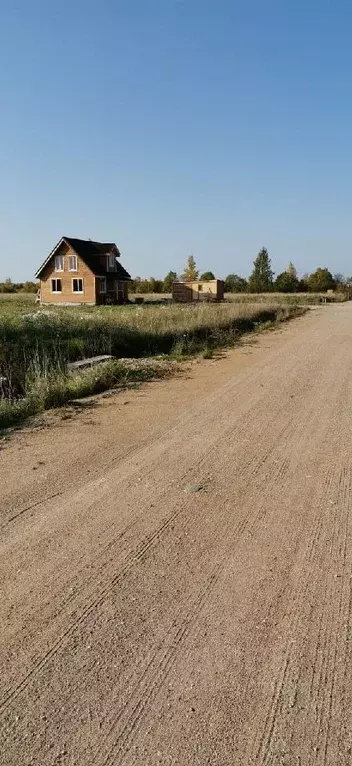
x=18, y=287
x=261, y=280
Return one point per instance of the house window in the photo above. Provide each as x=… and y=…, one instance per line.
x=72, y=263
x=102, y=284
x=77, y=285
x=56, y=286
x=200, y=288
x=111, y=263
x=59, y=262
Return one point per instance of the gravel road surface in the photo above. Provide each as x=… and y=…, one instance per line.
x=176, y=565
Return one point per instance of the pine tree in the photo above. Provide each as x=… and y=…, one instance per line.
x=261, y=279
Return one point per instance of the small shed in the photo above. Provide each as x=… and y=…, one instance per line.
x=198, y=290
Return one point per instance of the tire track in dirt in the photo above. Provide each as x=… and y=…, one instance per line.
x=277, y=470
x=261, y=457
x=121, y=743
x=183, y=421
x=328, y=642
x=180, y=555
x=260, y=751
x=254, y=467
x=131, y=560
x=247, y=524
x=164, y=658
x=256, y=513
x=134, y=557
x=329, y=637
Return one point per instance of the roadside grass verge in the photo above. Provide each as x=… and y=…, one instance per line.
x=57, y=390
x=43, y=343
x=288, y=299
x=35, y=368
x=12, y=304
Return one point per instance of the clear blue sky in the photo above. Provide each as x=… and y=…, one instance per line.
x=177, y=126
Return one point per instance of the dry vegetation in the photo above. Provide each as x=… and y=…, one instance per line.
x=37, y=343
x=21, y=302
x=298, y=299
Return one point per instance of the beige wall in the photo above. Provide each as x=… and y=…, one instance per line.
x=203, y=288
x=67, y=295
x=193, y=291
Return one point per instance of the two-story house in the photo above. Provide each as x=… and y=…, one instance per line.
x=82, y=271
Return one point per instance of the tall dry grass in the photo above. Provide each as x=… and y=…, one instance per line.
x=36, y=346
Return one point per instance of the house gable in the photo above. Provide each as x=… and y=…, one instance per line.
x=94, y=254
x=66, y=293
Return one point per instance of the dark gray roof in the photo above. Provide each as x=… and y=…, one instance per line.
x=85, y=247
x=97, y=269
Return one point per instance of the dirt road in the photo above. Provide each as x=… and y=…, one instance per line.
x=143, y=622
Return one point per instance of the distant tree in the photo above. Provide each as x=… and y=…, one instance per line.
x=155, y=285
x=169, y=279
x=339, y=279
x=261, y=279
x=287, y=281
x=292, y=271
x=8, y=286
x=320, y=281
x=134, y=285
x=340, y=283
x=235, y=284
x=303, y=284
x=143, y=286
x=28, y=287
x=190, y=273
x=207, y=276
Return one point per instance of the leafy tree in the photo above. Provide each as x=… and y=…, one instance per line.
x=261, y=279
x=235, y=284
x=8, y=286
x=142, y=286
x=339, y=279
x=134, y=285
x=155, y=285
x=28, y=287
x=320, y=281
x=190, y=273
x=341, y=284
x=207, y=276
x=169, y=279
x=287, y=281
x=18, y=287
x=303, y=284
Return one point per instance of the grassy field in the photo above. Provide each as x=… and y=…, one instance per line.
x=22, y=303
x=298, y=299
x=37, y=344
